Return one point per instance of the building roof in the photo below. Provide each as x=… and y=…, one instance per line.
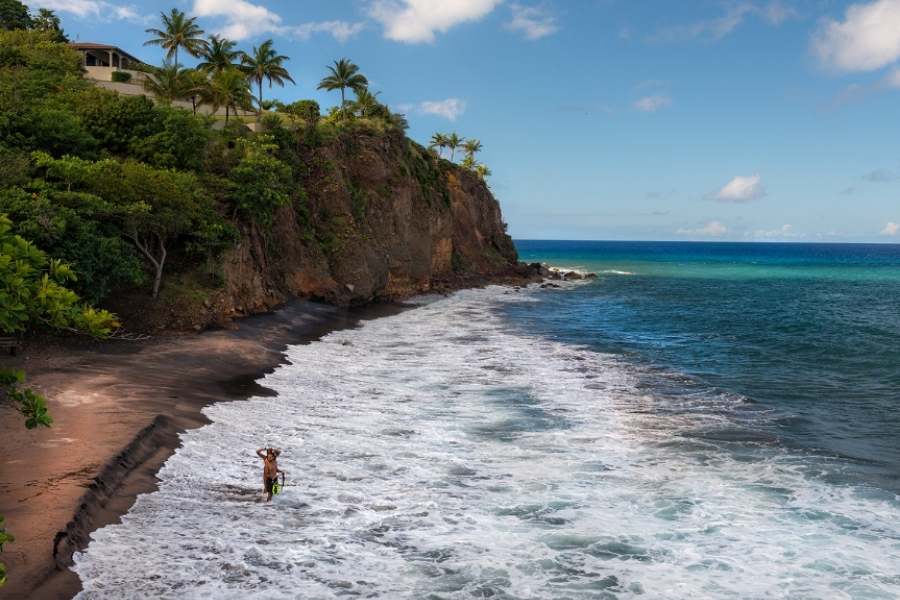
x=93, y=46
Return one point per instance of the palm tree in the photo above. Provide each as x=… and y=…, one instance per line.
x=218, y=55
x=229, y=88
x=454, y=142
x=168, y=83
x=178, y=31
x=471, y=147
x=196, y=83
x=482, y=171
x=264, y=63
x=439, y=141
x=366, y=102
x=344, y=74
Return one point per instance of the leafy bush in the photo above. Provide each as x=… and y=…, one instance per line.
x=179, y=143
x=71, y=226
x=121, y=76
x=260, y=182
x=307, y=110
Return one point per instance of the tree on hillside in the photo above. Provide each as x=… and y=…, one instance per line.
x=46, y=20
x=153, y=206
x=178, y=31
x=262, y=64
x=228, y=88
x=471, y=148
x=367, y=103
x=482, y=171
x=196, y=84
x=219, y=55
x=439, y=141
x=168, y=83
x=344, y=74
x=14, y=15
x=454, y=142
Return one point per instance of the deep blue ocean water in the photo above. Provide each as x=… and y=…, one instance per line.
x=806, y=336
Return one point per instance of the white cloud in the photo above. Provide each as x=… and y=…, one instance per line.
x=339, y=30
x=711, y=229
x=96, y=9
x=244, y=19
x=867, y=39
x=785, y=232
x=534, y=21
x=417, y=21
x=652, y=103
x=450, y=109
x=891, y=229
x=742, y=189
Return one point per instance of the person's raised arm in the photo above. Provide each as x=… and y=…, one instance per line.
x=276, y=451
x=261, y=452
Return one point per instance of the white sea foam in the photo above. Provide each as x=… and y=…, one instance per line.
x=440, y=454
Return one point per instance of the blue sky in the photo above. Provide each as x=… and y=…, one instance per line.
x=612, y=119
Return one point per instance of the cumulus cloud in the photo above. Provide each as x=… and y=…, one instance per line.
x=742, y=189
x=417, y=21
x=95, y=9
x=450, y=109
x=244, y=19
x=533, y=21
x=867, y=38
x=652, y=103
x=711, y=229
x=891, y=228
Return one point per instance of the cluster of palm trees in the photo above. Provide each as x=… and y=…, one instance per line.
x=224, y=75
x=452, y=142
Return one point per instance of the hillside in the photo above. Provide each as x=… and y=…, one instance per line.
x=174, y=220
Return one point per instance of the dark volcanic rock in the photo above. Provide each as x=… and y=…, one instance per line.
x=376, y=217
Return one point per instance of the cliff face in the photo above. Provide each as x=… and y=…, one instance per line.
x=377, y=218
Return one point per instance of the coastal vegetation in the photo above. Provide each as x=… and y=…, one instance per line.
x=114, y=204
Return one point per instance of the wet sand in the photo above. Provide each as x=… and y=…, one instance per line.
x=118, y=407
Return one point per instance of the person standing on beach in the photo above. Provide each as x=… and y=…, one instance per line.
x=270, y=469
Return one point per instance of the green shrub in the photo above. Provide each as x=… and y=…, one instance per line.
x=260, y=182
x=121, y=76
x=307, y=110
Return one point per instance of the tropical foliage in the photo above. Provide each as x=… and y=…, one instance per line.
x=178, y=31
x=264, y=64
x=105, y=198
x=343, y=75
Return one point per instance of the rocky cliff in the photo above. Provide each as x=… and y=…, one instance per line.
x=376, y=217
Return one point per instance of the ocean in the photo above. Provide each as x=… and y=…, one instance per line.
x=700, y=421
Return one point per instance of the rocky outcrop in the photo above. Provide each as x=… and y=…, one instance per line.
x=377, y=217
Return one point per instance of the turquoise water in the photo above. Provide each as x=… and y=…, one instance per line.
x=807, y=336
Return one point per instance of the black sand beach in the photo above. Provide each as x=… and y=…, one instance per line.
x=118, y=407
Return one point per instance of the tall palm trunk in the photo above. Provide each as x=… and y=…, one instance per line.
x=260, y=97
x=226, y=114
x=343, y=105
x=176, y=56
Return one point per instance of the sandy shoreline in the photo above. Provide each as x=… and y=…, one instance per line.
x=118, y=408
